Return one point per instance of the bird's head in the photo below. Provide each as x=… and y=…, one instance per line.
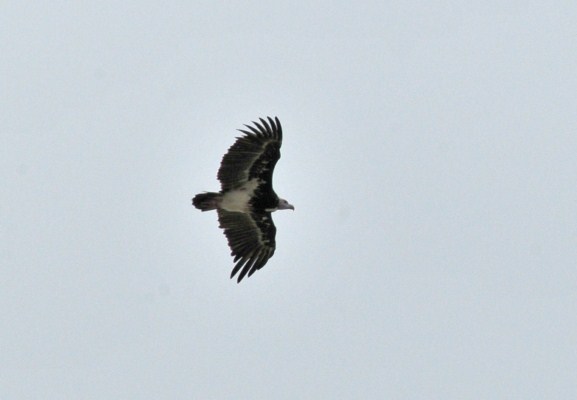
x=284, y=205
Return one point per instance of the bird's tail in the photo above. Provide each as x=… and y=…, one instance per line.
x=207, y=201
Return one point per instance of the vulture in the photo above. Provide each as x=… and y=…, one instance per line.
x=247, y=199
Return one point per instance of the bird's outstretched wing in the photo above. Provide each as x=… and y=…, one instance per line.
x=251, y=237
x=253, y=155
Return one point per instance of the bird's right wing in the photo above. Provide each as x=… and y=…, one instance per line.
x=253, y=155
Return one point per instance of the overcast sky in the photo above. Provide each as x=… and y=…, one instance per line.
x=430, y=150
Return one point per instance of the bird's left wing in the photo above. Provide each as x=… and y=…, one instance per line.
x=251, y=237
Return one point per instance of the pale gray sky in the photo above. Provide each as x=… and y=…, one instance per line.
x=430, y=151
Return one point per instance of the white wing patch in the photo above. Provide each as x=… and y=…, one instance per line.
x=237, y=200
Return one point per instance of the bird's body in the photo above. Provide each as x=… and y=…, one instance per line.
x=247, y=199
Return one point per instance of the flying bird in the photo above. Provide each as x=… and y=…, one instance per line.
x=246, y=198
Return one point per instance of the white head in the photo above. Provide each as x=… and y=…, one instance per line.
x=284, y=205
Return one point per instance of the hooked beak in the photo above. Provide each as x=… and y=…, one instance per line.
x=285, y=206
